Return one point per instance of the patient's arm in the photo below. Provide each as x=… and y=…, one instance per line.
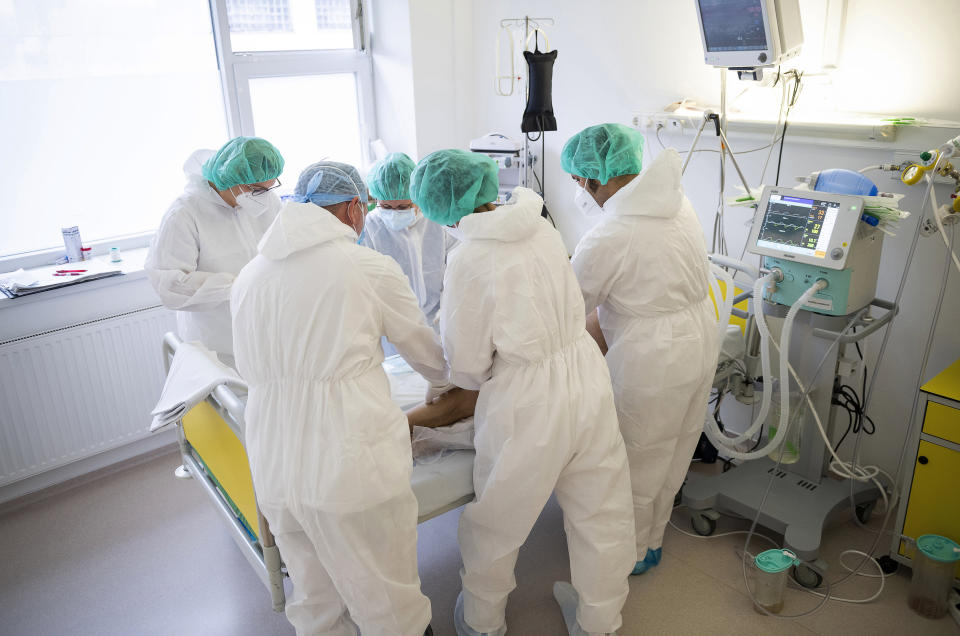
x=452, y=406
x=593, y=328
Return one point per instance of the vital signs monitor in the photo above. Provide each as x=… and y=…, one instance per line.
x=749, y=33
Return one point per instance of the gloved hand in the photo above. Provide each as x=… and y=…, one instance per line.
x=436, y=390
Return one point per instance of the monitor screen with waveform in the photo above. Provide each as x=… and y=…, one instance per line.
x=798, y=225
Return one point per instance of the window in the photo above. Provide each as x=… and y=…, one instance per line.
x=306, y=87
x=308, y=118
x=104, y=102
x=101, y=103
x=246, y=16
x=290, y=25
x=333, y=14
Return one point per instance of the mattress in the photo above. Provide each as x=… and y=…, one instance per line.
x=443, y=483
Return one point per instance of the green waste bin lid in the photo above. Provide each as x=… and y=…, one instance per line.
x=939, y=548
x=774, y=561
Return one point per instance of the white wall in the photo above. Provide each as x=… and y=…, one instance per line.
x=442, y=50
x=390, y=45
x=618, y=57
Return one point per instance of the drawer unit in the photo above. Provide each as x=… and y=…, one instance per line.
x=930, y=499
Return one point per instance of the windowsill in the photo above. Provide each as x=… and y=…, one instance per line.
x=131, y=266
x=45, y=257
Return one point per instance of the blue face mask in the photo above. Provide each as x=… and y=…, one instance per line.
x=398, y=220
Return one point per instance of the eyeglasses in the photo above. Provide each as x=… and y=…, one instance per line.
x=259, y=191
x=399, y=208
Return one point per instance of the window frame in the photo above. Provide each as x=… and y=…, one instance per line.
x=236, y=70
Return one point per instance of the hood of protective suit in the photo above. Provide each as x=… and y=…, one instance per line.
x=299, y=226
x=655, y=192
x=197, y=184
x=514, y=222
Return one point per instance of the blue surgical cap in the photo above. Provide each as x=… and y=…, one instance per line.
x=329, y=182
x=450, y=184
x=389, y=178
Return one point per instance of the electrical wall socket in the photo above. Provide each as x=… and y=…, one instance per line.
x=663, y=121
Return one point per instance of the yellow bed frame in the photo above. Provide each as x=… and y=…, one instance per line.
x=213, y=455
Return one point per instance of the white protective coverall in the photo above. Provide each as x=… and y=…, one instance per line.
x=512, y=325
x=201, y=246
x=645, y=266
x=421, y=250
x=329, y=451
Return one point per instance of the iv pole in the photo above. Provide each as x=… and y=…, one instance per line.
x=526, y=21
x=725, y=145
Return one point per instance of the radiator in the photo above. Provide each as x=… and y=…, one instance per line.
x=72, y=393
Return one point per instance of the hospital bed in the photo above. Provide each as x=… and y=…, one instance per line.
x=211, y=448
x=733, y=368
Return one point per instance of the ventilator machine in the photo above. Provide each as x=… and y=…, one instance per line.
x=820, y=260
x=806, y=237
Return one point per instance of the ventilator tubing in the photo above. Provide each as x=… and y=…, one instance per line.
x=767, y=372
x=713, y=431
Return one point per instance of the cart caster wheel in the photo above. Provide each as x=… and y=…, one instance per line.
x=703, y=525
x=182, y=472
x=865, y=511
x=807, y=577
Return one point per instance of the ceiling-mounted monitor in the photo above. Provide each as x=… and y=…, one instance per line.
x=744, y=34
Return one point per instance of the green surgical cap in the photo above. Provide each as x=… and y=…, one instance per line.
x=450, y=184
x=241, y=161
x=389, y=178
x=603, y=152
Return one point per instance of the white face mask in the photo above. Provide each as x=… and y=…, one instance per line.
x=586, y=203
x=398, y=220
x=455, y=232
x=257, y=205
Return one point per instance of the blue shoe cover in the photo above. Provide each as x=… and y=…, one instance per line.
x=653, y=556
x=652, y=559
x=460, y=623
x=568, y=599
x=640, y=568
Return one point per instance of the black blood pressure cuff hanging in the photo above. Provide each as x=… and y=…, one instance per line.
x=538, y=115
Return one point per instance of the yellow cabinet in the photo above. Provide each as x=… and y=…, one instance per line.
x=943, y=422
x=930, y=501
x=934, y=504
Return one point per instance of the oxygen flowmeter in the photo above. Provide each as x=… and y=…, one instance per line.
x=806, y=236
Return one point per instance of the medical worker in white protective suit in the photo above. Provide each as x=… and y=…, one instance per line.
x=644, y=268
x=210, y=232
x=329, y=451
x=512, y=326
x=397, y=228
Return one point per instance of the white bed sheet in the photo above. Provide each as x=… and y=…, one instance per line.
x=444, y=483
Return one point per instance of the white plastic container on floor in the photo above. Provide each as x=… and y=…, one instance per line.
x=770, y=579
x=933, y=569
